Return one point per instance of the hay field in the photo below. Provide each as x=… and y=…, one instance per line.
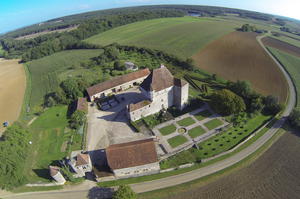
x=12, y=89
x=182, y=36
x=273, y=175
x=238, y=56
x=281, y=45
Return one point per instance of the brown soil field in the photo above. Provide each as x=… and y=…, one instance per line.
x=238, y=56
x=12, y=89
x=274, y=175
x=280, y=45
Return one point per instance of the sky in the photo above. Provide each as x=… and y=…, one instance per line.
x=19, y=13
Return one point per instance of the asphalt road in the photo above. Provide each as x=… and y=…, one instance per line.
x=85, y=192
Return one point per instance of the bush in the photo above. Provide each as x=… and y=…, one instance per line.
x=226, y=102
x=272, y=106
x=13, y=153
x=77, y=119
x=294, y=118
x=135, y=126
x=124, y=192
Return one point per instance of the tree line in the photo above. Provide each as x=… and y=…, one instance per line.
x=45, y=45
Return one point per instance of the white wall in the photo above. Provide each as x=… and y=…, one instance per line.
x=137, y=171
x=122, y=86
x=161, y=99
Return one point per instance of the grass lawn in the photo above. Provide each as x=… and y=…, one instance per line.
x=195, y=132
x=291, y=64
x=217, y=144
x=182, y=36
x=177, y=140
x=48, y=138
x=168, y=129
x=186, y=121
x=202, y=115
x=214, y=123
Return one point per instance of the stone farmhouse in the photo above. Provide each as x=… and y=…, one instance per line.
x=117, y=84
x=133, y=159
x=160, y=88
x=162, y=91
x=80, y=163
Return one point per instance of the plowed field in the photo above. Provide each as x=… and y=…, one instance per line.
x=280, y=45
x=12, y=88
x=238, y=56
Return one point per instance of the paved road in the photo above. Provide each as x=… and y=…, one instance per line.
x=185, y=177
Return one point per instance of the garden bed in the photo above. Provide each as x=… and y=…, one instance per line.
x=177, y=141
x=196, y=132
x=168, y=129
x=186, y=121
x=213, y=124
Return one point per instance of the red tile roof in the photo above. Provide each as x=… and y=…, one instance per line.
x=131, y=154
x=161, y=78
x=82, y=159
x=133, y=107
x=53, y=170
x=98, y=88
x=82, y=104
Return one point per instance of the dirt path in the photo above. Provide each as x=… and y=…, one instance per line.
x=12, y=89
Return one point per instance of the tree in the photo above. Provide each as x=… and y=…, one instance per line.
x=272, y=105
x=124, y=192
x=78, y=118
x=294, y=118
x=241, y=88
x=226, y=102
x=71, y=88
x=255, y=103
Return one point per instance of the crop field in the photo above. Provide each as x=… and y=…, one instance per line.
x=273, y=175
x=48, y=72
x=281, y=45
x=179, y=36
x=12, y=89
x=238, y=56
x=291, y=64
x=287, y=39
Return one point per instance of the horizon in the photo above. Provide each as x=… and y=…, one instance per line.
x=13, y=23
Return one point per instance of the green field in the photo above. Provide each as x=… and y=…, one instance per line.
x=179, y=36
x=46, y=73
x=195, y=132
x=213, y=124
x=48, y=138
x=202, y=115
x=186, y=121
x=177, y=141
x=292, y=65
x=168, y=129
x=217, y=144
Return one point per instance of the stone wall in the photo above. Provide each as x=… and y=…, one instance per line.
x=137, y=171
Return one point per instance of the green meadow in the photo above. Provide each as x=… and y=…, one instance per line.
x=291, y=64
x=47, y=73
x=179, y=36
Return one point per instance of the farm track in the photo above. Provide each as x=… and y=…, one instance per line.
x=238, y=56
x=281, y=45
x=83, y=191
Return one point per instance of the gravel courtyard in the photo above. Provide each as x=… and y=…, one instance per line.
x=111, y=126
